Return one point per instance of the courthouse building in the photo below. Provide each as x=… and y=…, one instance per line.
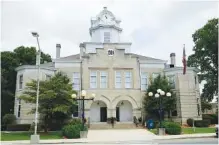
x=107, y=67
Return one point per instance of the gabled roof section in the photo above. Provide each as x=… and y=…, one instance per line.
x=77, y=57
x=141, y=57
x=69, y=58
x=47, y=66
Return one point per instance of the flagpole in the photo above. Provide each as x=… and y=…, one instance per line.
x=184, y=60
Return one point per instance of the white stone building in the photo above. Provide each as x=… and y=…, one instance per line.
x=107, y=67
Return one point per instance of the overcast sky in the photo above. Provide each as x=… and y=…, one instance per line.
x=155, y=28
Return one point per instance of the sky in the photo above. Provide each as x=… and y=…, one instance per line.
x=155, y=28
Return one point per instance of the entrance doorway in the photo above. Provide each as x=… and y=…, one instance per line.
x=98, y=112
x=117, y=114
x=124, y=111
x=103, y=114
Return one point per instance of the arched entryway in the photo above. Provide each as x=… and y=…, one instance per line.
x=124, y=111
x=98, y=111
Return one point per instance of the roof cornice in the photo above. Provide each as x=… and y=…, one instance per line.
x=152, y=61
x=181, y=68
x=34, y=67
x=104, y=26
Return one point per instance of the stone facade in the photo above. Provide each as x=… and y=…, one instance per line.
x=119, y=78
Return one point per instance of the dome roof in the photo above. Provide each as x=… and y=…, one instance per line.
x=105, y=11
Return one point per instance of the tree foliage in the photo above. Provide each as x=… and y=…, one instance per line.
x=54, y=96
x=206, y=57
x=205, y=105
x=9, y=61
x=151, y=104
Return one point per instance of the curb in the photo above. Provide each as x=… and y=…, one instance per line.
x=187, y=137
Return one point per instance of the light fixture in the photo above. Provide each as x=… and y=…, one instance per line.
x=93, y=95
x=162, y=93
x=168, y=94
x=122, y=103
x=159, y=90
x=150, y=94
x=35, y=34
x=98, y=102
x=83, y=93
x=157, y=95
x=73, y=96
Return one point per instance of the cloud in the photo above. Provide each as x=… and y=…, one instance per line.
x=156, y=28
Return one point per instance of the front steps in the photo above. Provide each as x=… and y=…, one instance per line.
x=98, y=126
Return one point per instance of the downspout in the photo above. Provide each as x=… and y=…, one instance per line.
x=139, y=67
x=80, y=87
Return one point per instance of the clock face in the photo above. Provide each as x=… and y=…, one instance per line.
x=107, y=19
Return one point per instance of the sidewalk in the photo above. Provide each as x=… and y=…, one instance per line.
x=96, y=137
x=199, y=135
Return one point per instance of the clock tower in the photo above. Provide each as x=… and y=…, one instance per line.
x=105, y=28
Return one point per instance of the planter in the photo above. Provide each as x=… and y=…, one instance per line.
x=161, y=131
x=83, y=134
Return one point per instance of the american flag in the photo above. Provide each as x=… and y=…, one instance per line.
x=184, y=60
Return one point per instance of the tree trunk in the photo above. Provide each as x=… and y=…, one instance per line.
x=168, y=114
x=46, y=124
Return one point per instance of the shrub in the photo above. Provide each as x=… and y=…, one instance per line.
x=3, y=127
x=172, y=128
x=18, y=127
x=109, y=120
x=32, y=127
x=75, y=121
x=212, y=117
x=190, y=122
x=72, y=131
x=202, y=123
x=9, y=119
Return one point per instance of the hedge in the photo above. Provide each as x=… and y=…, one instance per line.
x=202, y=123
x=212, y=117
x=18, y=127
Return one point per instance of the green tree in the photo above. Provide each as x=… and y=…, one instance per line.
x=9, y=61
x=206, y=57
x=151, y=104
x=54, y=96
x=205, y=105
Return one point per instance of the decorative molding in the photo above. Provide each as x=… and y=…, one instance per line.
x=34, y=67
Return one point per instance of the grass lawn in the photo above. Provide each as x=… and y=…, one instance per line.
x=26, y=136
x=198, y=130
x=191, y=131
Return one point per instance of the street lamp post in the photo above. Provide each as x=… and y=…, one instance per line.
x=35, y=137
x=83, y=98
x=158, y=95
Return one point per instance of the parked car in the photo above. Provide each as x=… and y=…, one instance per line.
x=216, y=130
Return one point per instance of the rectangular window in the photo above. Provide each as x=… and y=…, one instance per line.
x=155, y=75
x=76, y=81
x=19, y=108
x=106, y=36
x=93, y=79
x=20, y=81
x=103, y=79
x=118, y=80
x=128, y=79
x=171, y=80
x=144, y=81
x=48, y=77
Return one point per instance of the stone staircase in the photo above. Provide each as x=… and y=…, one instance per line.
x=116, y=126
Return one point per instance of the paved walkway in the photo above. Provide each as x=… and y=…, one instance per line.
x=121, y=135
x=104, y=136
